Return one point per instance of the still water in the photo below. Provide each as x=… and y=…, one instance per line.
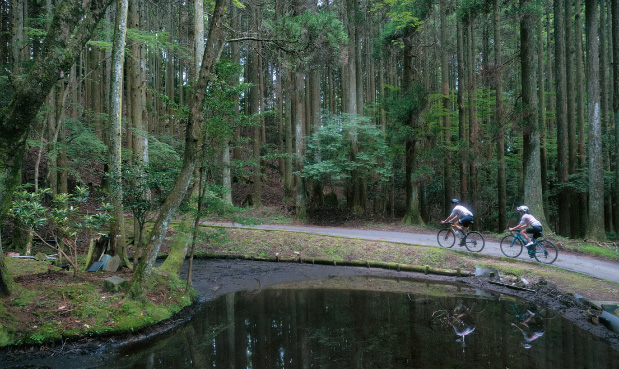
x=415, y=325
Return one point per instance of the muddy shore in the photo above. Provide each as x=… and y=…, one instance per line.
x=214, y=278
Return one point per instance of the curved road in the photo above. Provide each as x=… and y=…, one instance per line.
x=577, y=263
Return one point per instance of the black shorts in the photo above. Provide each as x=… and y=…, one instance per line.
x=466, y=221
x=536, y=231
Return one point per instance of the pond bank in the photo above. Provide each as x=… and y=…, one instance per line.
x=214, y=278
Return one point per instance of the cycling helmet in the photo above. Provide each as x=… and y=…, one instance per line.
x=523, y=208
x=455, y=201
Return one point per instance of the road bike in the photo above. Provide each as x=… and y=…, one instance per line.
x=473, y=241
x=542, y=250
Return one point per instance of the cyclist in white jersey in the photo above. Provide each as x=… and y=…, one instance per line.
x=529, y=222
x=462, y=214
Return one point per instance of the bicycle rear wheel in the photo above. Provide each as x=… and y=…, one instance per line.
x=474, y=241
x=446, y=237
x=547, y=253
x=511, y=246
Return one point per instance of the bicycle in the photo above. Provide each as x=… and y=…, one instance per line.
x=543, y=251
x=473, y=241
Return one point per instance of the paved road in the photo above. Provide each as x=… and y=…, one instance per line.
x=577, y=263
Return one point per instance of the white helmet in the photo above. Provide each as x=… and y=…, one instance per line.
x=523, y=208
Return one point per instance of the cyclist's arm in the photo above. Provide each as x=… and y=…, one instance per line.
x=518, y=227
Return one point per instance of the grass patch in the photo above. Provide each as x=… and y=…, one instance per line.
x=54, y=305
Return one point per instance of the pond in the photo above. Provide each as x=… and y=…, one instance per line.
x=386, y=323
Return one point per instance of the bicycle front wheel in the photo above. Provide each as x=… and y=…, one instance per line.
x=546, y=252
x=511, y=246
x=475, y=242
x=446, y=237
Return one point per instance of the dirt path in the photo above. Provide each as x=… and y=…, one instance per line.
x=577, y=263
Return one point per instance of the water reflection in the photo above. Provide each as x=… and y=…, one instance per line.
x=332, y=328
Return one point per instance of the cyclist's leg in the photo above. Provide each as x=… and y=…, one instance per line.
x=526, y=237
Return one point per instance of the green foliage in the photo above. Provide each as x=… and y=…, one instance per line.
x=221, y=103
x=84, y=148
x=309, y=38
x=405, y=17
x=347, y=144
x=61, y=212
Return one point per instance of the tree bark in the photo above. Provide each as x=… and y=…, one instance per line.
x=615, y=50
x=501, y=176
x=447, y=171
x=595, y=221
x=561, y=120
x=531, y=147
x=255, y=100
x=580, y=116
x=462, y=136
x=299, y=97
x=193, y=139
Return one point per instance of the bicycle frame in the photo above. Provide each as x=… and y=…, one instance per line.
x=518, y=235
x=543, y=250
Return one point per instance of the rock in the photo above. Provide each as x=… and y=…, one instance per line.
x=114, y=284
x=486, y=272
x=104, y=259
x=113, y=264
x=40, y=257
x=610, y=321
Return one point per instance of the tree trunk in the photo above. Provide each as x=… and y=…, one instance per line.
x=542, y=111
x=571, y=121
x=462, y=136
x=595, y=221
x=193, y=141
x=531, y=147
x=474, y=131
x=615, y=50
x=447, y=171
x=316, y=123
x=561, y=119
x=299, y=97
x=255, y=99
x=580, y=116
x=604, y=112
x=501, y=176
x=412, y=213
x=117, y=225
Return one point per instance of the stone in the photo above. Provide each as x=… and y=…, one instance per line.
x=610, y=321
x=486, y=272
x=114, y=284
x=113, y=264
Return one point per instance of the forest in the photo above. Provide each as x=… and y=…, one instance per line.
x=382, y=108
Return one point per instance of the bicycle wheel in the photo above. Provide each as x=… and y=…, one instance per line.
x=474, y=241
x=547, y=253
x=511, y=246
x=446, y=237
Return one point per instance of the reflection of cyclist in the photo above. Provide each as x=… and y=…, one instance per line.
x=535, y=227
x=462, y=322
x=532, y=328
x=464, y=216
